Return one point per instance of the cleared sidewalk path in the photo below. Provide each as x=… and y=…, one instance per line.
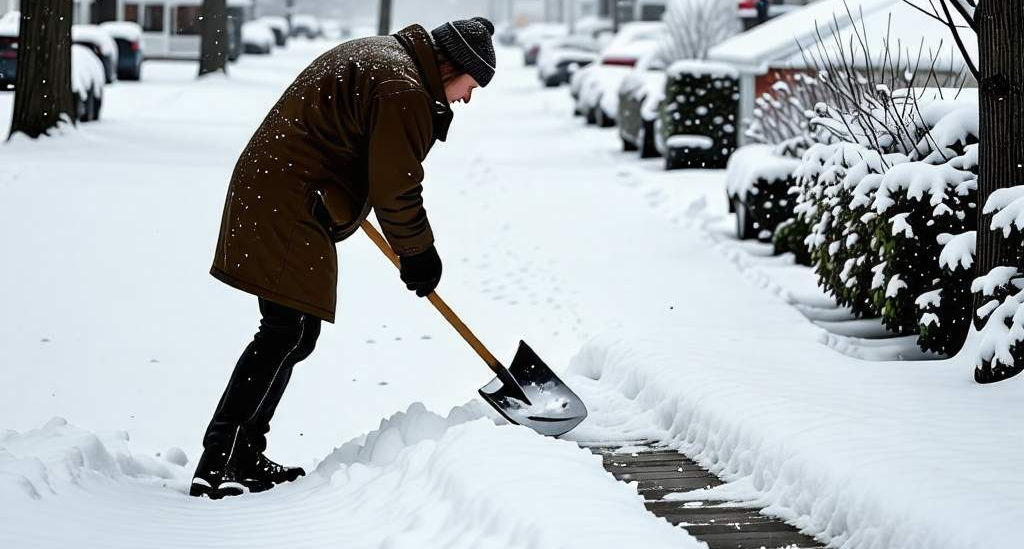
x=721, y=524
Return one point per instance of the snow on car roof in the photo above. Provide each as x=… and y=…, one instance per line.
x=125, y=30
x=94, y=34
x=754, y=50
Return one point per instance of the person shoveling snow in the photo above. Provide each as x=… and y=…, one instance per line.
x=348, y=135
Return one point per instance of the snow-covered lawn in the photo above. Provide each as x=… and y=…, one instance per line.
x=613, y=270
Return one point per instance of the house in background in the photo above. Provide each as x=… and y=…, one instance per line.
x=81, y=13
x=778, y=48
x=171, y=28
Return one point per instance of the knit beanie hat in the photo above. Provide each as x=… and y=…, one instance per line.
x=467, y=43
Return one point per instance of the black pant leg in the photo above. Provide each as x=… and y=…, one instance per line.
x=285, y=337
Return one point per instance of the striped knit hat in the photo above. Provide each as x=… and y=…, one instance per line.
x=467, y=43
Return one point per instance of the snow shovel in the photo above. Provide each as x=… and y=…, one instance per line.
x=528, y=393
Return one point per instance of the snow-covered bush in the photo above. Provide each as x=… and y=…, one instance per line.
x=836, y=186
x=918, y=203
x=1001, y=349
x=944, y=314
x=783, y=116
x=1001, y=352
x=789, y=237
x=698, y=119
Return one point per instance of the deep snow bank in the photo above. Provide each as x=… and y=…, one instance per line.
x=905, y=456
x=420, y=480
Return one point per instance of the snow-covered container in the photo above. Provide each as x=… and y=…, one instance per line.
x=698, y=121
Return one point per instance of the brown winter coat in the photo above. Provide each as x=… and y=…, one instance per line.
x=350, y=133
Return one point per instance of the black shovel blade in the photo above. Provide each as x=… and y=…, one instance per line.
x=551, y=408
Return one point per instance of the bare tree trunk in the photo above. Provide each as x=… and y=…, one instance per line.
x=385, y=18
x=1001, y=113
x=213, y=50
x=613, y=7
x=42, y=95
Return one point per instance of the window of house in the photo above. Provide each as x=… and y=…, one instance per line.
x=153, y=18
x=131, y=12
x=186, y=20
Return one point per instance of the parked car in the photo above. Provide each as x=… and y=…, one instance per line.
x=8, y=52
x=640, y=99
x=88, y=77
x=257, y=38
x=100, y=43
x=505, y=33
x=563, y=56
x=532, y=37
x=279, y=26
x=128, y=37
x=305, y=25
x=596, y=87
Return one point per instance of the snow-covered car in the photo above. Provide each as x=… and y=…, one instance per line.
x=505, y=33
x=532, y=37
x=596, y=88
x=8, y=52
x=257, y=38
x=88, y=77
x=101, y=44
x=640, y=98
x=128, y=37
x=305, y=25
x=563, y=56
x=279, y=26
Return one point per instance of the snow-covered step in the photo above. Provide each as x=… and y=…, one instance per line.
x=721, y=524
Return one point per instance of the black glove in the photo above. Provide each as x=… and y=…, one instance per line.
x=421, y=272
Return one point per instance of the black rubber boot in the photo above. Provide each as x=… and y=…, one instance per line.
x=228, y=471
x=263, y=468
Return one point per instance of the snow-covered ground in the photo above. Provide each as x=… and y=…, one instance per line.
x=617, y=273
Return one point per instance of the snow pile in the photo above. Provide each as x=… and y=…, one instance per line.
x=48, y=462
x=420, y=480
x=851, y=451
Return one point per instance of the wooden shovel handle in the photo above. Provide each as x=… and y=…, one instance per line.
x=438, y=303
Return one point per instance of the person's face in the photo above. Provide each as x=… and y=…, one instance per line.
x=460, y=88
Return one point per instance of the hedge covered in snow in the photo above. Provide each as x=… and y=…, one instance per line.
x=890, y=220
